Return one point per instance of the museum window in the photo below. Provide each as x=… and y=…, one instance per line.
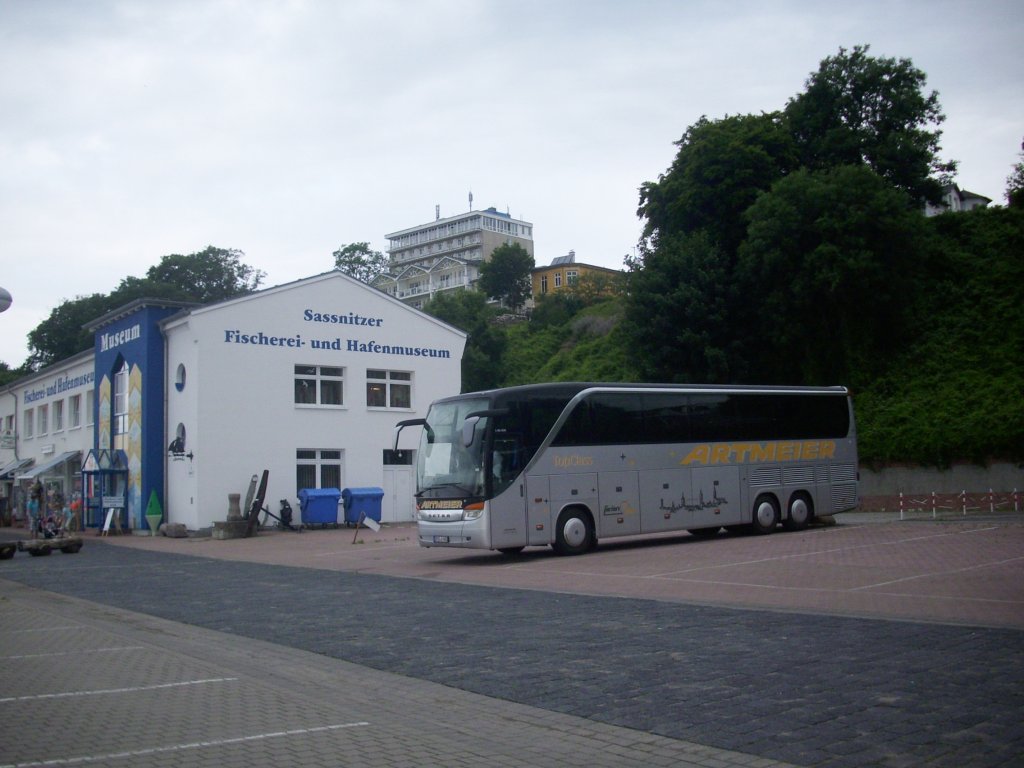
x=319, y=385
x=543, y=283
x=317, y=468
x=388, y=389
x=90, y=408
x=119, y=420
x=74, y=411
x=29, y=420
x=42, y=420
x=58, y=416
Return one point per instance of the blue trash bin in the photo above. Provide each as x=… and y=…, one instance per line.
x=319, y=506
x=359, y=501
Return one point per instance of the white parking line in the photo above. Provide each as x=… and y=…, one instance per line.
x=799, y=555
x=134, y=753
x=937, y=573
x=62, y=628
x=72, y=694
x=74, y=653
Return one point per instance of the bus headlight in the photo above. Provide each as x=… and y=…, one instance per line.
x=473, y=511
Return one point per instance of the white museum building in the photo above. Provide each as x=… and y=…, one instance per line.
x=185, y=403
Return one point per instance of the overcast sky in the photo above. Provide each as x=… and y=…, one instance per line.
x=133, y=130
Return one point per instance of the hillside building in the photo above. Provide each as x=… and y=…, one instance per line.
x=956, y=200
x=563, y=272
x=446, y=254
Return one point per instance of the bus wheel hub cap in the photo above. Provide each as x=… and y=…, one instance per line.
x=574, y=532
x=798, y=512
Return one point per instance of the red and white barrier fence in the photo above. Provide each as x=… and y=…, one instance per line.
x=962, y=502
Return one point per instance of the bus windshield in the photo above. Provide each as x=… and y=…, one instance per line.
x=446, y=467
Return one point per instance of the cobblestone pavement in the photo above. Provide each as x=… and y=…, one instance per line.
x=88, y=685
x=806, y=689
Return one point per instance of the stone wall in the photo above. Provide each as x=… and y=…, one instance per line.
x=1003, y=477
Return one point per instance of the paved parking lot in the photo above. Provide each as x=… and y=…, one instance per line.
x=306, y=648
x=82, y=685
x=870, y=565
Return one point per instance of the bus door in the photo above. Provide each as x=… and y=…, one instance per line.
x=507, y=507
x=619, y=503
x=665, y=492
x=540, y=526
x=508, y=518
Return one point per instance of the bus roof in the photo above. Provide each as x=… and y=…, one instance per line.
x=572, y=388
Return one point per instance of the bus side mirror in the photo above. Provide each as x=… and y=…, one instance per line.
x=469, y=430
x=470, y=422
x=411, y=423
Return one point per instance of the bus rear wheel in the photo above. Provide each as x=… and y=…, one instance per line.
x=766, y=515
x=800, y=511
x=574, y=533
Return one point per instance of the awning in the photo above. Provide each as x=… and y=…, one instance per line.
x=7, y=470
x=55, y=462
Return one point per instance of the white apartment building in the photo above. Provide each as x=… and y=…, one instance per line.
x=446, y=254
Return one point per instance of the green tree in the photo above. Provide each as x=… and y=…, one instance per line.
x=212, y=274
x=554, y=309
x=954, y=391
x=506, y=275
x=860, y=109
x=679, y=312
x=482, y=361
x=1015, y=184
x=591, y=287
x=63, y=333
x=823, y=274
x=8, y=374
x=719, y=170
x=558, y=307
x=359, y=261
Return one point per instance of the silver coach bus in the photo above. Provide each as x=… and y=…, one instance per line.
x=567, y=464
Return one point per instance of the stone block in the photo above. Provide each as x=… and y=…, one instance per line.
x=230, y=529
x=174, y=530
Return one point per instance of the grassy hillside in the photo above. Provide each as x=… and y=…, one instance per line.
x=588, y=347
x=957, y=390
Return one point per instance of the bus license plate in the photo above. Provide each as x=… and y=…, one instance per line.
x=440, y=539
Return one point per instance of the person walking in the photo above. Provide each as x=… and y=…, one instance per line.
x=36, y=502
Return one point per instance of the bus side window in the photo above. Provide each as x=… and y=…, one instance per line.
x=667, y=419
x=711, y=417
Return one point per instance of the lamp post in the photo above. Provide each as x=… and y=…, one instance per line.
x=5, y=299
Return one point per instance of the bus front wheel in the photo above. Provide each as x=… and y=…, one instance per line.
x=766, y=514
x=574, y=533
